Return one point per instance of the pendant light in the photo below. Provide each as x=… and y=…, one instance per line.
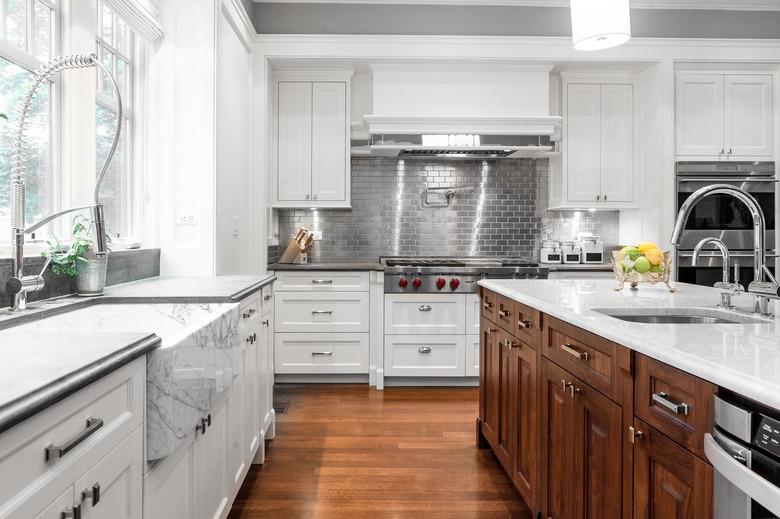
x=600, y=24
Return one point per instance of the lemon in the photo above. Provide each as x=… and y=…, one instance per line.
x=654, y=256
x=642, y=265
x=646, y=246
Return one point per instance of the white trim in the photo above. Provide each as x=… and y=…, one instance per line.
x=141, y=16
x=720, y=5
x=309, y=76
x=391, y=124
x=238, y=18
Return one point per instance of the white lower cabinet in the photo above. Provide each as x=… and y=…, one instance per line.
x=212, y=479
x=472, y=355
x=425, y=314
x=425, y=355
x=169, y=491
x=338, y=312
x=472, y=314
x=321, y=353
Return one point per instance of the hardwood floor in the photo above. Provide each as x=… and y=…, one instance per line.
x=351, y=451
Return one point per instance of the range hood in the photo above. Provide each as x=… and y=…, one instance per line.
x=460, y=111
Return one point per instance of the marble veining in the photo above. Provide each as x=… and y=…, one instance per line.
x=744, y=358
x=197, y=361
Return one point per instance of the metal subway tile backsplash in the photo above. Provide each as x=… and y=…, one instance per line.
x=500, y=209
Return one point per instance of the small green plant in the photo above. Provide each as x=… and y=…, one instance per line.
x=64, y=259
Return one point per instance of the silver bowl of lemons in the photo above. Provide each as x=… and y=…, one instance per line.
x=643, y=263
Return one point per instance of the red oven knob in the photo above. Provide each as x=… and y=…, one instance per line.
x=417, y=282
x=440, y=283
x=454, y=283
x=403, y=283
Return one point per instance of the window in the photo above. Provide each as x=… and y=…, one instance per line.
x=27, y=36
x=115, y=44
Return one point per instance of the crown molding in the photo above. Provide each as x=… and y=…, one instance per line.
x=724, y=5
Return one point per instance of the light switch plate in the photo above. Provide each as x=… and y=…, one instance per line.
x=186, y=218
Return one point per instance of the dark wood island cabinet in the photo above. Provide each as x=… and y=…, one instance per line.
x=585, y=427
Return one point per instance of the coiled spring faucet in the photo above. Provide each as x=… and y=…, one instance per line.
x=20, y=285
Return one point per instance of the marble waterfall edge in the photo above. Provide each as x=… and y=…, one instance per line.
x=188, y=374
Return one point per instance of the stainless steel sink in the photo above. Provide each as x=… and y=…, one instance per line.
x=680, y=316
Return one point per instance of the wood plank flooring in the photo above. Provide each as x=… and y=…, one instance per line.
x=351, y=451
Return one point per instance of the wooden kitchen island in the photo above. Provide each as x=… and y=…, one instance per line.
x=586, y=427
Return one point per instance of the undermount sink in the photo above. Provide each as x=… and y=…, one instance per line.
x=680, y=316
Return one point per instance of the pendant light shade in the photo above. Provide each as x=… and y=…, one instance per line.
x=600, y=24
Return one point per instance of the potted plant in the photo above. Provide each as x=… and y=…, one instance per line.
x=79, y=259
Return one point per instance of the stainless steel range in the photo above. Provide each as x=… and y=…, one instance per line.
x=410, y=274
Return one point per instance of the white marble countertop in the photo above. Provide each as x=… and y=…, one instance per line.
x=213, y=289
x=744, y=358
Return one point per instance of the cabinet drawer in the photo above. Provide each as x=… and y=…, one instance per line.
x=505, y=313
x=428, y=314
x=297, y=353
x=674, y=402
x=472, y=355
x=321, y=281
x=527, y=324
x=587, y=356
x=472, y=314
x=489, y=304
x=425, y=355
x=117, y=399
x=339, y=312
x=249, y=313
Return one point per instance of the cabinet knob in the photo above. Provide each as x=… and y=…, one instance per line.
x=72, y=512
x=315, y=197
x=266, y=323
x=307, y=196
x=598, y=197
x=91, y=493
x=605, y=197
x=634, y=434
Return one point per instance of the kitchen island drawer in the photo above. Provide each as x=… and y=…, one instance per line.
x=61, y=441
x=674, y=402
x=339, y=312
x=425, y=355
x=488, y=304
x=328, y=353
x=321, y=281
x=425, y=314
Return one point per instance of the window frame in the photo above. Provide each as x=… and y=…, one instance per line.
x=27, y=60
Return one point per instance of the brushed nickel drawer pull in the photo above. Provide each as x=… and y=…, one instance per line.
x=72, y=512
x=491, y=330
x=503, y=313
x=55, y=452
x=322, y=311
x=323, y=353
x=568, y=348
x=322, y=281
x=425, y=308
x=662, y=399
x=487, y=305
x=524, y=323
x=92, y=493
x=424, y=349
x=267, y=298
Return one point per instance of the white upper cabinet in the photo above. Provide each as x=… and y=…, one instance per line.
x=724, y=115
x=312, y=140
x=599, y=159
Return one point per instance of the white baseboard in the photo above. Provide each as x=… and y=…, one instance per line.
x=432, y=381
x=321, y=379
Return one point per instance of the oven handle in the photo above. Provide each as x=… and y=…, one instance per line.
x=726, y=180
x=756, y=487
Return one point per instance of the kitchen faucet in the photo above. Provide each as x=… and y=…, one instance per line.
x=20, y=285
x=727, y=289
x=759, y=287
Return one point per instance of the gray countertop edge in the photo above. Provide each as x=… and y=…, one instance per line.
x=336, y=265
x=18, y=410
x=248, y=291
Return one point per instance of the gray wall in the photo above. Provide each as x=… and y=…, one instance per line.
x=503, y=213
x=299, y=18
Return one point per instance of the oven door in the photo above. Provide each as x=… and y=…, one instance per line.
x=725, y=217
x=710, y=267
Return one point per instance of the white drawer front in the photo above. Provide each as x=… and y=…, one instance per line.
x=117, y=399
x=298, y=353
x=321, y=281
x=472, y=355
x=425, y=355
x=345, y=312
x=428, y=314
x=472, y=313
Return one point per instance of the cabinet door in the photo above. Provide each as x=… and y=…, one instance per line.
x=329, y=163
x=266, y=375
x=699, y=114
x=37, y=505
x=169, y=491
x=525, y=426
x=558, y=478
x=488, y=385
x=598, y=454
x=617, y=143
x=211, y=475
x=583, y=142
x=669, y=481
x=293, y=134
x=506, y=414
x=115, y=482
x=748, y=125
x=251, y=398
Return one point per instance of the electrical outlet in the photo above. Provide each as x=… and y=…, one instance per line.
x=317, y=235
x=186, y=218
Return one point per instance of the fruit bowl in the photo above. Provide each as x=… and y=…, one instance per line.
x=633, y=265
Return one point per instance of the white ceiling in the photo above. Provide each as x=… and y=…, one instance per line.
x=731, y=5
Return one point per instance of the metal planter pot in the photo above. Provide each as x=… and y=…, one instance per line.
x=91, y=276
